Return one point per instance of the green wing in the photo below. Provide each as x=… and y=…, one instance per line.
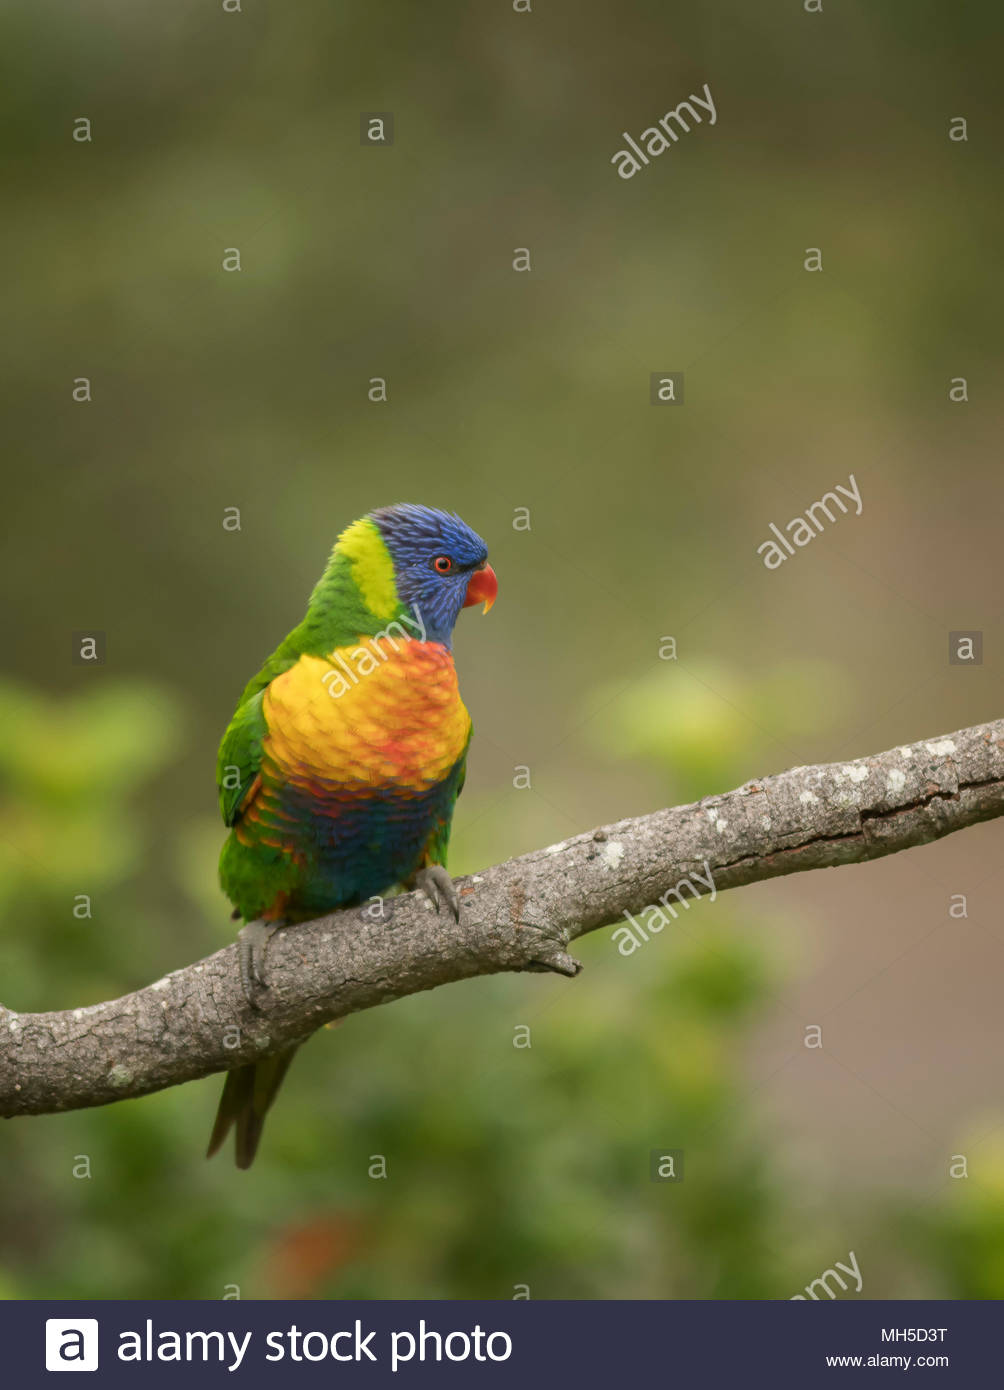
x=239, y=759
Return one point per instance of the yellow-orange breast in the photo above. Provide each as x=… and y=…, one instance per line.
x=384, y=714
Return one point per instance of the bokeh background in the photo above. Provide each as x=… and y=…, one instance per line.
x=513, y=1170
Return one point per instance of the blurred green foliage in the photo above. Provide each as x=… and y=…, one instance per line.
x=420, y=1150
x=700, y=721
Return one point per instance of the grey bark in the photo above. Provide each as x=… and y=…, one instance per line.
x=520, y=915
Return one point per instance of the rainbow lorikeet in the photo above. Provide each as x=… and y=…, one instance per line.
x=340, y=769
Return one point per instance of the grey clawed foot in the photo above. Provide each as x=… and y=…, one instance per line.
x=252, y=943
x=438, y=887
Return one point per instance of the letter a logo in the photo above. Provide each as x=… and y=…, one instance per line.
x=71, y=1344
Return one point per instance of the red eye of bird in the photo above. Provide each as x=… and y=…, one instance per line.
x=442, y=564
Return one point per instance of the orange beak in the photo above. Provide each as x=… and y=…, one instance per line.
x=482, y=587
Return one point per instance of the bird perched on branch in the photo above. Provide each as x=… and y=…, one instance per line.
x=344, y=759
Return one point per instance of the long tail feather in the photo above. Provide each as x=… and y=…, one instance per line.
x=248, y=1094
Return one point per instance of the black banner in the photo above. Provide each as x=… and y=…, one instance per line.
x=798, y=1344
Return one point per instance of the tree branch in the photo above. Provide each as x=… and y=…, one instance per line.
x=519, y=915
